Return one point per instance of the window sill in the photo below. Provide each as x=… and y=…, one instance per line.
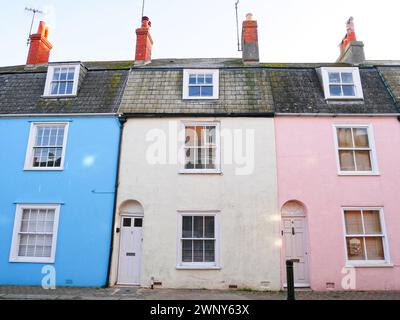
x=32, y=260
x=67, y=96
x=378, y=265
x=198, y=267
x=43, y=169
x=355, y=173
x=217, y=172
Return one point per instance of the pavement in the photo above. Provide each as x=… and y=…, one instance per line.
x=135, y=293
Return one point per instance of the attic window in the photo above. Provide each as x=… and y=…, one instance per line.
x=200, y=84
x=62, y=80
x=341, y=83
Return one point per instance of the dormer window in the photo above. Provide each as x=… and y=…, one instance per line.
x=341, y=83
x=62, y=80
x=200, y=84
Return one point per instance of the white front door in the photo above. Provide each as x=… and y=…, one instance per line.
x=130, y=250
x=295, y=247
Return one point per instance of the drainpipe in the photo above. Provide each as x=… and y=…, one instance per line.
x=122, y=120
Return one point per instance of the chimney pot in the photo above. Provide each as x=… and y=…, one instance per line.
x=40, y=46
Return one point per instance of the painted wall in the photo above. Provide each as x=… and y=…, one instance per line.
x=85, y=189
x=307, y=171
x=249, y=229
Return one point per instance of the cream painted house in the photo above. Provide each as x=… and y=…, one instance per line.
x=197, y=200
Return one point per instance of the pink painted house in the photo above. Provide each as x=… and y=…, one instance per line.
x=337, y=145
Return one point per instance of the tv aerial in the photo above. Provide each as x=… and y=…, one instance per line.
x=34, y=12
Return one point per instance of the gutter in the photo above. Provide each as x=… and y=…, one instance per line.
x=178, y=115
x=56, y=115
x=122, y=120
x=280, y=114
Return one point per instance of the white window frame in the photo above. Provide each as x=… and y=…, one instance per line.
x=182, y=157
x=49, y=79
x=14, y=257
x=367, y=263
x=198, y=265
x=356, y=79
x=371, y=139
x=188, y=72
x=31, y=141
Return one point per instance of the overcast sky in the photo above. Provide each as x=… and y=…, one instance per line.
x=289, y=30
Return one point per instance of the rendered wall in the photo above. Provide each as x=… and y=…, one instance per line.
x=85, y=190
x=307, y=171
x=249, y=230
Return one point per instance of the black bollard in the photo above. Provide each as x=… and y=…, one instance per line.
x=290, y=280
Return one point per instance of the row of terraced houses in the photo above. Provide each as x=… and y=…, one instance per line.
x=200, y=173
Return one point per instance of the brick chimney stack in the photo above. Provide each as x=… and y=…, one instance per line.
x=144, y=43
x=39, y=49
x=250, y=40
x=351, y=50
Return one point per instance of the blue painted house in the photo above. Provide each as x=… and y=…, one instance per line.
x=59, y=141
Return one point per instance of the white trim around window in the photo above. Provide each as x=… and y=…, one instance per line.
x=364, y=235
x=215, y=145
x=370, y=148
x=55, y=146
x=204, y=84
x=215, y=237
x=35, y=233
x=341, y=83
x=55, y=77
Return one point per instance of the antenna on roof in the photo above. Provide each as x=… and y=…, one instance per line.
x=34, y=11
x=237, y=26
x=143, y=3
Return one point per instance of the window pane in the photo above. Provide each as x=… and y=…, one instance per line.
x=210, y=135
x=209, y=79
x=349, y=91
x=372, y=223
x=198, y=251
x=200, y=79
x=192, y=79
x=353, y=222
x=347, y=77
x=71, y=73
x=200, y=158
x=63, y=75
x=209, y=231
x=363, y=160
x=361, y=137
x=355, y=249
x=187, y=255
x=198, y=227
x=335, y=90
x=374, y=248
x=346, y=160
x=194, y=91
x=56, y=74
x=207, y=91
x=62, y=88
x=209, y=251
x=54, y=88
x=334, y=77
x=190, y=136
x=187, y=227
x=211, y=158
x=189, y=158
x=344, y=138
x=70, y=86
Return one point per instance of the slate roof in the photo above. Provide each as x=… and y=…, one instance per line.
x=300, y=91
x=101, y=91
x=260, y=89
x=241, y=91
